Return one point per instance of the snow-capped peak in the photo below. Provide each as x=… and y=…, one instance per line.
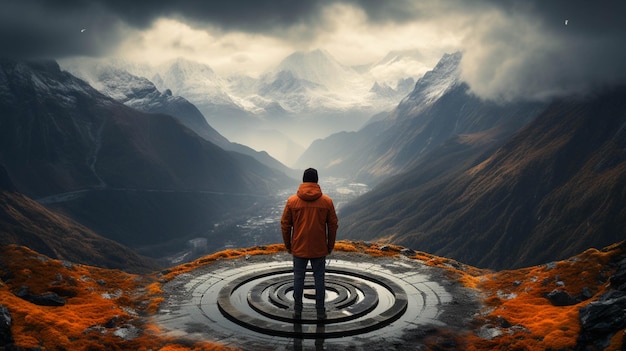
x=195, y=81
x=436, y=82
x=319, y=67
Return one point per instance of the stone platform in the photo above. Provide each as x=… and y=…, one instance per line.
x=372, y=303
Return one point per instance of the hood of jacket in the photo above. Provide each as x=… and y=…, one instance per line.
x=309, y=191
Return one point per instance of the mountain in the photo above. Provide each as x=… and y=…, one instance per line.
x=439, y=108
x=141, y=94
x=239, y=117
x=319, y=95
x=314, y=82
x=307, y=96
x=314, y=69
x=555, y=187
x=225, y=104
x=50, y=119
x=394, y=75
x=25, y=222
x=199, y=84
x=134, y=177
x=195, y=81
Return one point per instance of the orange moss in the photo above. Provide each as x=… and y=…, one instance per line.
x=377, y=252
x=520, y=298
x=467, y=275
x=345, y=246
x=154, y=292
x=98, y=302
x=227, y=254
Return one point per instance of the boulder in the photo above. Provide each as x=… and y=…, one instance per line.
x=601, y=319
x=408, y=252
x=561, y=298
x=6, y=338
x=46, y=299
x=618, y=279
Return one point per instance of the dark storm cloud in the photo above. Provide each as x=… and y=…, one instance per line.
x=246, y=15
x=52, y=28
x=38, y=28
x=533, y=53
x=512, y=48
x=49, y=29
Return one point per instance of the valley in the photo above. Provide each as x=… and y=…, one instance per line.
x=258, y=224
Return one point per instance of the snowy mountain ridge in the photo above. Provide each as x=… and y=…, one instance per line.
x=194, y=81
x=308, y=96
x=303, y=81
x=435, y=83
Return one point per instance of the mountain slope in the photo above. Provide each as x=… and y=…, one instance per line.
x=555, y=188
x=27, y=223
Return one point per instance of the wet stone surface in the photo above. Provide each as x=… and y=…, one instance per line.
x=372, y=303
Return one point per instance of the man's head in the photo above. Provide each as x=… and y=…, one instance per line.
x=310, y=176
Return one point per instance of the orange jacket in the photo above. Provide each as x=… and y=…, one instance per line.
x=309, y=222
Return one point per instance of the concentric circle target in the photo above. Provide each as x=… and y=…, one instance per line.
x=250, y=302
x=347, y=310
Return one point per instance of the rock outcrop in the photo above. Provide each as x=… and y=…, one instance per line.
x=601, y=320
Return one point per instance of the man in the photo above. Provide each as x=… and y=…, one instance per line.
x=309, y=228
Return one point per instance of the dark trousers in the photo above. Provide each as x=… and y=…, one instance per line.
x=299, y=270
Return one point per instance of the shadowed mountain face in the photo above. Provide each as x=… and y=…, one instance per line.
x=26, y=222
x=59, y=134
x=66, y=144
x=555, y=188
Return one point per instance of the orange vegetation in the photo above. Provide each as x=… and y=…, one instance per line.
x=226, y=254
x=101, y=306
x=516, y=303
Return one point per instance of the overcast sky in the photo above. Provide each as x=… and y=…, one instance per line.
x=529, y=49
